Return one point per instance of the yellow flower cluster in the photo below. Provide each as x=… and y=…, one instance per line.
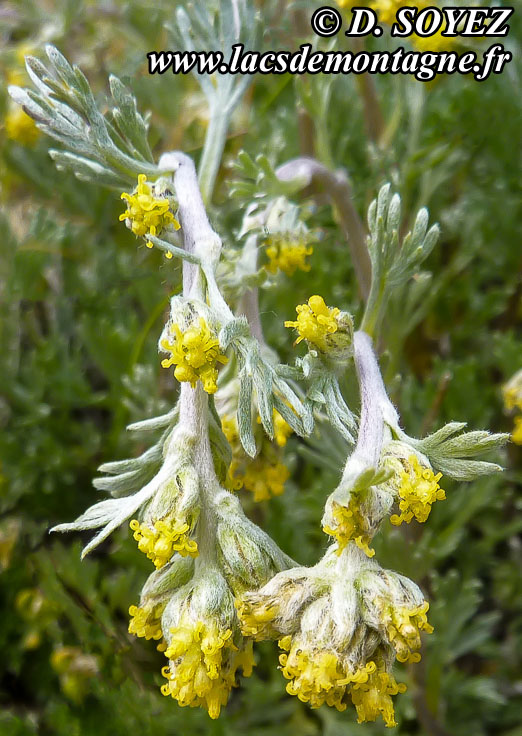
x=512, y=393
x=195, y=353
x=372, y=698
x=256, y=619
x=265, y=475
x=167, y=537
x=265, y=479
x=319, y=677
x=149, y=215
x=203, y=666
x=350, y=524
x=145, y=621
x=315, y=321
x=287, y=253
x=19, y=127
x=403, y=626
x=320, y=674
x=419, y=488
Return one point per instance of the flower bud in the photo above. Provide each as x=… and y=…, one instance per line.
x=248, y=557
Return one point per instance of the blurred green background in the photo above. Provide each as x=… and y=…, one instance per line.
x=81, y=309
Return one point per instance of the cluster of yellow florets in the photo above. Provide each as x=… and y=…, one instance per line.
x=149, y=215
x=319, y=677
x=403, y=626
x=512, y=393
x=265, y=479
x=350, y=524
x=195, y=353
x=203, y=665
x=288, y=253
x=265, y=475
x=315, y=321
x=418, y=490
x=372, y=698
x=145, y=621
x=160, y=542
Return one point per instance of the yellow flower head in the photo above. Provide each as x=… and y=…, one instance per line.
x=145, y=620
x=315, y=322
x=265, y=475
x=20, y=127
x=195, y=353
x=418, y=490
x=319, y=677
x=372, y=698
x=350, y=524
x=265, y=479
x=512, y=392
x=403, y=626
x=148, y=214
x=165, y=538
x=288, y=253
x=204, y=644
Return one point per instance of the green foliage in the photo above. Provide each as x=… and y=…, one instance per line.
x=81, y=309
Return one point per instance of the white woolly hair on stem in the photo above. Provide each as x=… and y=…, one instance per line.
x=377, y=411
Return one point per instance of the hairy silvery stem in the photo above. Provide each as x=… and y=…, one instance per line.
x=200, y=239
x=340, y=192
x=377, y=411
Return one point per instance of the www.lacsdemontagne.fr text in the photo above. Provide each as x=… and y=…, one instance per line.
x=423, y=66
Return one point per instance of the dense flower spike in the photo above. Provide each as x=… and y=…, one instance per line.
x=419, y=489
x=147, y=214
x=287, y=253
x=195, y=353
x=167, y=537
x=203, y=665
x=315, y=321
